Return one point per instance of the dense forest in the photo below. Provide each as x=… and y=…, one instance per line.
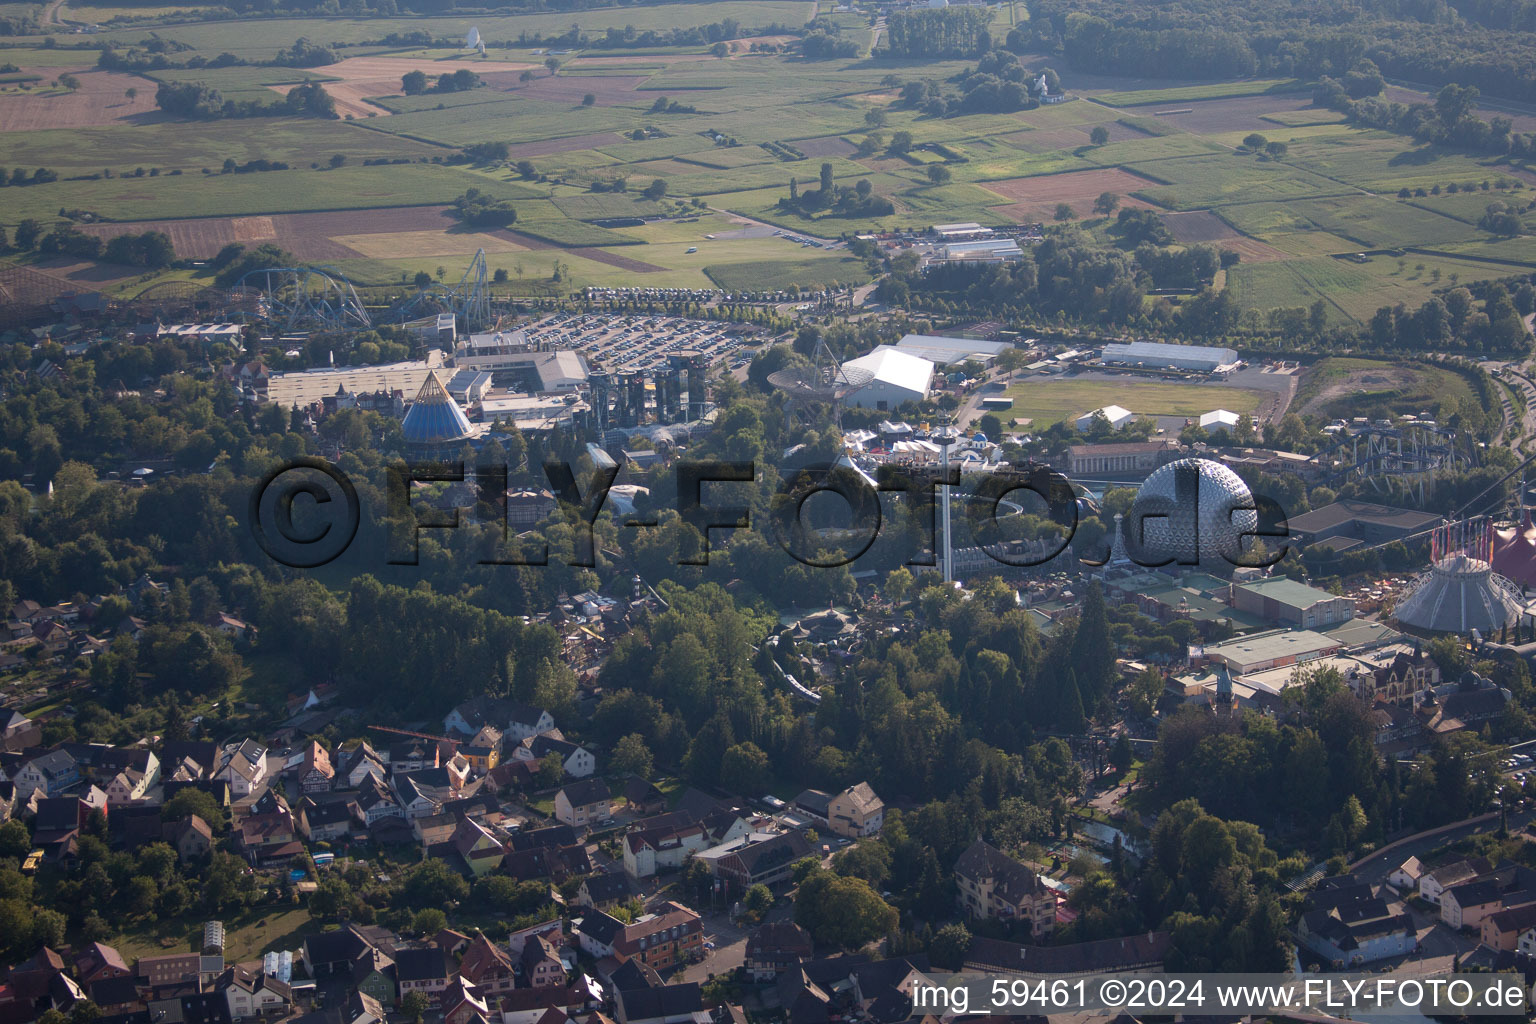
x=1490, y=44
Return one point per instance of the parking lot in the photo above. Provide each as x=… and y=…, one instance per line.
x=639, y=343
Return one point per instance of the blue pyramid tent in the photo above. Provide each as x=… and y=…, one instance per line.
x=434, y=417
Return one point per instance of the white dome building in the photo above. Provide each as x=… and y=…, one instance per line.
x=1189, y=512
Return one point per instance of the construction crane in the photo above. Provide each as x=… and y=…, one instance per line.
x=417, y=735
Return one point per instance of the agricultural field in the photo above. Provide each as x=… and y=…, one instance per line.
x=1353, y=291
x=758, y=121
x=1190, y=93
x=1045, y=401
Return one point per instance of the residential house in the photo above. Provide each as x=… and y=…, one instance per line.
x=549, y=1005
x=250, y=992
x=644, y=797
x=670, y=935
x=169, y=970
x=192, y=839
x=328, y=821
x=856, y=812
x=376, y=802
x=483, y=754
x=114, y=996
x=413, y=755
x=373, y=974
x=434, y=829
x=230, y=626
x=596, y=933
x=363, y=1008
x=541, y=963
x=1433, y=883
x=993, y=885
x=17, y=731
x=605, y=891
x=487, y=967
x=670, y=1004
x=1405, y=877
x=621, y=975
x=1130, y=954
x=128, y=786
x=583, y=804
x=34, y=978
x=244, y=767
x=524, y=720
x=58, y=819
x=513, y=719
x=553, y=930
x=463, y=1003
x=439, y=785
x=50, y=773
x=359, y=763
x=774, y=948
x=661, y=849
x=578, y=761
x=1465, y=905
x=1502, y=929
x=263, y=837
x=850, y=987
x=326, y=954
x=454, y=943
x=1347, y=925
x=481, y=851
x=106, y=762
x=316, y=773
x=426, y=969
x=761, y=859
x=413, y=799
x=99, y=962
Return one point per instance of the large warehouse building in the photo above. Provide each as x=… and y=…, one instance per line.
x=947, y=351
x=899, y=377
x=306, y=387
x=1156, y=355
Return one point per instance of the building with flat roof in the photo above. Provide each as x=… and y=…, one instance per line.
x=1275, y=649
x=1287, y=601
x=1131, y=457
x=531, y=412
x=990, y=250
x=468, y=386
x=946, y=351
x=900, y=377
x=1159, y=355
x=1360, y=522
x=308, y=387
x=961, y=232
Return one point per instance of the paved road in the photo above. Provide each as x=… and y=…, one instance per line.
x=1375, y=868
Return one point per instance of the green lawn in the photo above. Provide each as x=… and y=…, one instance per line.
x=1046, y=401
x=246, y=936
x=770, y=274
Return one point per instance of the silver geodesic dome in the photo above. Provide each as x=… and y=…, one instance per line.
x=1186, y=511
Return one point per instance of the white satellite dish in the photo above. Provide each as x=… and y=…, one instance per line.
x=472, y=41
